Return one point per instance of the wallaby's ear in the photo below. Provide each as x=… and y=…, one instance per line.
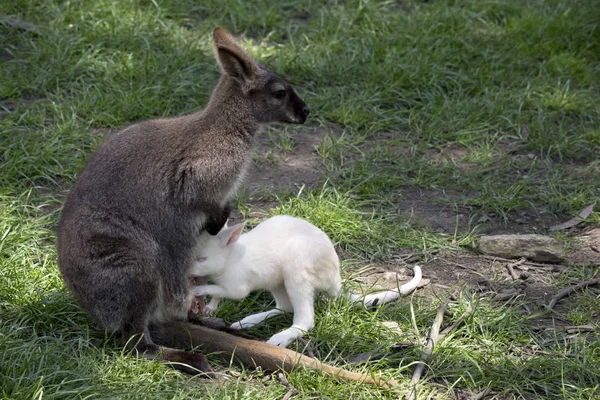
x=233, y=60
x=228, y=236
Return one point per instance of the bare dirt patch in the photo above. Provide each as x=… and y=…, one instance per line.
x=441, y=211
x=274, y=168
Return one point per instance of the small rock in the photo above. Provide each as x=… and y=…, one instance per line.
x=534, y=247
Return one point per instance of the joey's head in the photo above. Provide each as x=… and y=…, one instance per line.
x=270, y=98
x=213, y=258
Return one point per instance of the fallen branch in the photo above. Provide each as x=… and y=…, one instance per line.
x=568, y=291
x=432, y=340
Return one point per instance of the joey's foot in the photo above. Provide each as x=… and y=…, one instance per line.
x=284, y=338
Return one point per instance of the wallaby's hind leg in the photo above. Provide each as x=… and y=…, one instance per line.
x=302, y=298
x=137, y=336
x=282, y=304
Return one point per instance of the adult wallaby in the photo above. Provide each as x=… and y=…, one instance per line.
x=288, y=256
x=135, y=213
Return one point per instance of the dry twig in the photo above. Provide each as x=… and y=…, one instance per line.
x=482, y=395
x=531, y=263
x=511, y=266
x=283, y=380
x=307, y=347
x=568, y=291
x=470, y=269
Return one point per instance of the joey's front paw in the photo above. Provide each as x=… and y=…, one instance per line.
x=209, y=310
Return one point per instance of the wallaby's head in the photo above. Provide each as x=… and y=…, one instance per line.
x=269, y=96
x=213, y=258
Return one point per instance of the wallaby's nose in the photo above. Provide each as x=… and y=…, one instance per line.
x=305, y=111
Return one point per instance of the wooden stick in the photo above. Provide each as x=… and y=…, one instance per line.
x=482, y=394
x=568, y=291
x=459, y=321
x=283, y=380
x=431, y=342
x=307, y=347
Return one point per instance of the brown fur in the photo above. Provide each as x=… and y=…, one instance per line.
x=130, y=223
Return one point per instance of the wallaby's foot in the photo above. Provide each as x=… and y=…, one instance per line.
x=190, y=363
x=284, y=338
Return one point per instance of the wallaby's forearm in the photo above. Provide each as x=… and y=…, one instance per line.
x=251, y=353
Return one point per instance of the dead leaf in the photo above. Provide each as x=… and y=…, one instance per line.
x=583, y=214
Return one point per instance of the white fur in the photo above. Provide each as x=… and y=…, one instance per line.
x=288, y=256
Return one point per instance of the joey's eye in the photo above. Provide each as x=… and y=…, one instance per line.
x=201, y=259
x=279, y=95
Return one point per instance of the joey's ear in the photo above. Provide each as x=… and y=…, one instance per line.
x=233, y=60
x=230, y=235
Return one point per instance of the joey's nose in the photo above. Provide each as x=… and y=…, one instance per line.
x=305, y=111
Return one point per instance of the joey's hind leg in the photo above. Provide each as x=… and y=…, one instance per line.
x=302, y=299
x=282, y=304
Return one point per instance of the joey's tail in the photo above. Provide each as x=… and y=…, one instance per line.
x=251, y=353
x=386, y=296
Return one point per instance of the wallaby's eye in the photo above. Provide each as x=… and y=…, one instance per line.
x=279, y=95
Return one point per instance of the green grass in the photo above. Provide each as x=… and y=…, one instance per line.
x=494, y=102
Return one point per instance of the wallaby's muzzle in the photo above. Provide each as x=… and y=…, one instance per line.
x=300, y=108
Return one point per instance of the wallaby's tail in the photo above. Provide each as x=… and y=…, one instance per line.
x=386, y=296
x=251, y=353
